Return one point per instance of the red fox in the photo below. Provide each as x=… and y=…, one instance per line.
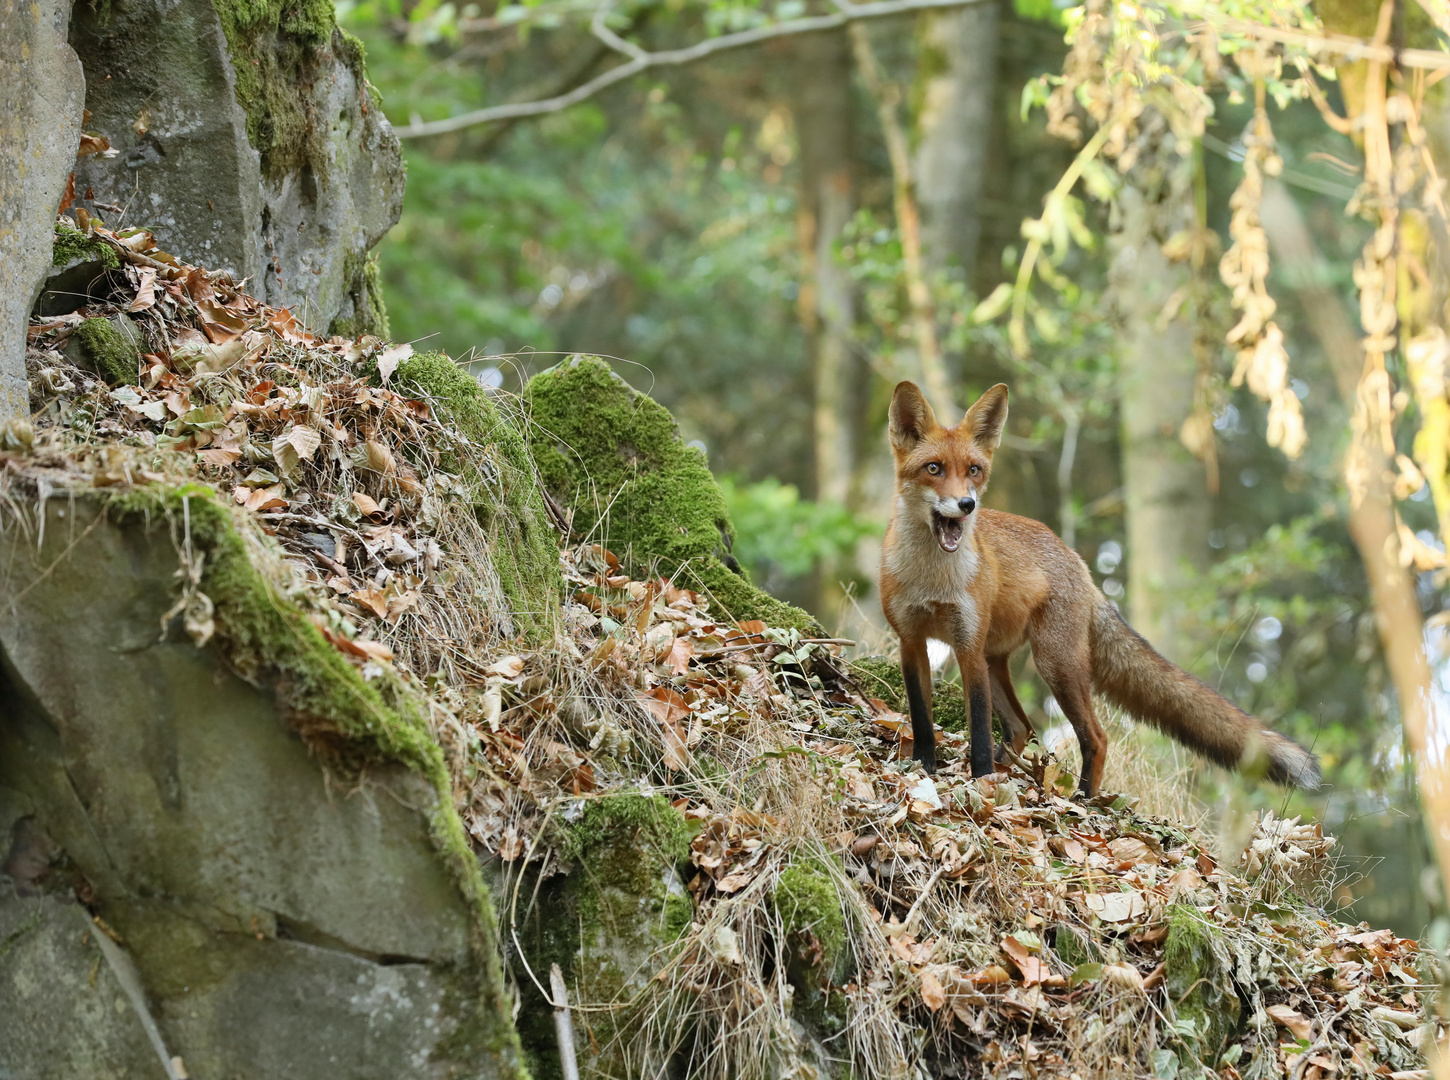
x=986, y=583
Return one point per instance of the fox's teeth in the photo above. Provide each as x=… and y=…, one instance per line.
x=948, y=531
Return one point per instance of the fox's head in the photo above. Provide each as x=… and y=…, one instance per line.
x=942, y=472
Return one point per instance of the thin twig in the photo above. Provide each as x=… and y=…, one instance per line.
x=563, y=1023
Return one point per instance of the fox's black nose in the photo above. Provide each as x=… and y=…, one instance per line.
x=968, y=504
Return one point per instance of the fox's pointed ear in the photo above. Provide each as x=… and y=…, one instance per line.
x=911, y=417
x=987, y=417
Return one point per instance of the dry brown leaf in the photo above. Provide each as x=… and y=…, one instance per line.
x=375, y=600
x=1034, y=971
x=933, y=994
x=1296, y=1022
x=510, y=667
x=1116, y=906
x=389, y=360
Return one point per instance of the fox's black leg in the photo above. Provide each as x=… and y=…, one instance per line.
x=977, y=689
x=979, y=705
x=916, y=674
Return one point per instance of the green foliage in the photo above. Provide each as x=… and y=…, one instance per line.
x=675, y=247
x=1289, y=636
x=778, y=531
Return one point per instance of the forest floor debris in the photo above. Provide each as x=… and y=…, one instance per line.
x=942, y=926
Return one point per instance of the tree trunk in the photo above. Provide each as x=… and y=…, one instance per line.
x=960, y=57
x=1165, y=487
x=823, y=127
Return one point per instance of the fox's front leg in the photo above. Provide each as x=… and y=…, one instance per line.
x=916, y=674
x=977, y=689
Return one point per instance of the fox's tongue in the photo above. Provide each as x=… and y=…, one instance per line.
x=948, y=531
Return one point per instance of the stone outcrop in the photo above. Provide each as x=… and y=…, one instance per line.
x=41, y=94
x=180, y=875
x=247, y=139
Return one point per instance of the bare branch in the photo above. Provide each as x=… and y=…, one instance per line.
x=643, y=61
x=601, y=30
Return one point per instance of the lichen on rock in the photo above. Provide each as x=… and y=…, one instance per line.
x=369, y=314
x=616, y=457
x=276, y=48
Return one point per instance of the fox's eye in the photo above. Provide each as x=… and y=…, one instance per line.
x=975, y=470
x=934, y=468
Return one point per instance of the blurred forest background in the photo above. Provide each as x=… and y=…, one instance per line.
x=767, y=239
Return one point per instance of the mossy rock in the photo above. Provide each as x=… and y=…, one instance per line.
x=369, y=313
x=71, y=245
x=808, y=903
x=83, y=268
x=219, y=882
x=108, y=347
x=278, y=50
x=615, y=456
x=609, y=924
x=496, y=465
x=1197, y=975
x=880, y=677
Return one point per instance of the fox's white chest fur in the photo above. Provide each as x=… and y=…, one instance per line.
x=928, y=577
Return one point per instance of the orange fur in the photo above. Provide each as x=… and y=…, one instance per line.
x=987, y=583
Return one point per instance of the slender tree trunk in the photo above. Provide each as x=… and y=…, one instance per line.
x=822, y=92
x=1165, y=487
x=960, y=57
x=908, y=225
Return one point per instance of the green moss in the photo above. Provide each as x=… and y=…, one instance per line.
x=72, y=245
x=608, y=923
x=271, y=642
x=1075, y=948
x=106, y=351
x=805, y=897
x=814, y=920
x=365, y=288
x=500, y=472
x=1200, y=988
x=616, y=457
x=278, y=48
x=880, y=677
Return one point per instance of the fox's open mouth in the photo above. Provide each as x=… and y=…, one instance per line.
x=948, y=530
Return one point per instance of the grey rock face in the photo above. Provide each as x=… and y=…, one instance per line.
x=281, y=921
x=234, y=187
x=41, y=94
x=160, y=88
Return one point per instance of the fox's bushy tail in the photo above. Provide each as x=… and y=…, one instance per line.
x=1132, y=675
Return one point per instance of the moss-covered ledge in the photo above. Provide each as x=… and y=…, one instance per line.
x=494, y=461
x=268, y=639
x=616, y=457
